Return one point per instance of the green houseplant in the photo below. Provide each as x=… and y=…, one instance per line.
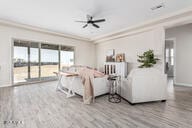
x=147, y=59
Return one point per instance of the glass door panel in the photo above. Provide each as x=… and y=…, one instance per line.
x=34, y=62
x=20, y=60
x=67, y=56
x=49, y=61
x=37, y=61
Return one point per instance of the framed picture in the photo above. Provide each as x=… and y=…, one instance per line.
x=110, y=55
x=120, y=57
x=111, y=52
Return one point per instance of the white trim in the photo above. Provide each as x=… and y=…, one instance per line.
x=180, y=17
x=163, y=50
x=5, y=85
x=174, y=19
x=12, y=63
x=42, y=30
x=124, y=34
x=175, y=53
x=183, y=84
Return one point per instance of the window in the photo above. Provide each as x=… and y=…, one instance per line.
x=20, y=62
x=49, y=60
x=167, y=55
x=37, y=61
x=170, y=56
x=33, y=61
x=67, y=56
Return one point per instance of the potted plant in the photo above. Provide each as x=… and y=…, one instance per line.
x=147, y=59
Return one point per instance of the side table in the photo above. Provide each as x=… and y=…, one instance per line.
x=114, y=89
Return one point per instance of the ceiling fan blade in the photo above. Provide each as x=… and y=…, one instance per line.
x=85, y=26
x=97, y=21
x=81, y=21
x=95, y=25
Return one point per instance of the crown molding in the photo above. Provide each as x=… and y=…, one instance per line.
x=180, y=17
x=42, y=30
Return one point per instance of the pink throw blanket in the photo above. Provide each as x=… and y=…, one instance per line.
x=87, y=75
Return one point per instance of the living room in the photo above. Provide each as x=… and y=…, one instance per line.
x=95, y=64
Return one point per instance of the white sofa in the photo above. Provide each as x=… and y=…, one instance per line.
x=100, y=85
x=144, y=85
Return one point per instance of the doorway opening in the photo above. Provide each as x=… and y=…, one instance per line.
x=170, y=59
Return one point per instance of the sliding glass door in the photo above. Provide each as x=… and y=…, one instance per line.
x=49, y=60
x=34, y=62
x=26, y=62
x=37, y=61
x=67, y=56
x=20, y=57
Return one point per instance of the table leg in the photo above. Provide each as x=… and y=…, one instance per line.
x=59, y=83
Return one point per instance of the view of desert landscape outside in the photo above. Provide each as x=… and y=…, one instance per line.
x=21, y=74
x=20, y=64
x=67, y=58
x=27, y=66
x=49, y=60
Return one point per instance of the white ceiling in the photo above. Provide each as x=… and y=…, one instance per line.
x=60, y=15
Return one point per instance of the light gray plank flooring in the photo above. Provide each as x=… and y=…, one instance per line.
x=40, y=106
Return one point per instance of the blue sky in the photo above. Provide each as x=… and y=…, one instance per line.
x=46, y=55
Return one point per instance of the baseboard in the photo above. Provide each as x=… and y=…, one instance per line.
x=183, y=84
x=135, y=103
x=5, y=85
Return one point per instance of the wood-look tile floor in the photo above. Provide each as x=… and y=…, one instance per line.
x=40, y=106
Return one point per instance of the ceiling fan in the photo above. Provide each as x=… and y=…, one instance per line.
x=91, y=21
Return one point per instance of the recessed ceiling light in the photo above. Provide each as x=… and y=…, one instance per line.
x=158, y=6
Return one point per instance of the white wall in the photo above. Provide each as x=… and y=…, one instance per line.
x=133, y=45
x=84, y=54
x=183, y=36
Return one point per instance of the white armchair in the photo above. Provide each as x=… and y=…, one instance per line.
x=144, y=85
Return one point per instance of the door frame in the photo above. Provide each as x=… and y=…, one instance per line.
x=12, y=64
x=40, y=42
x=174, y=66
